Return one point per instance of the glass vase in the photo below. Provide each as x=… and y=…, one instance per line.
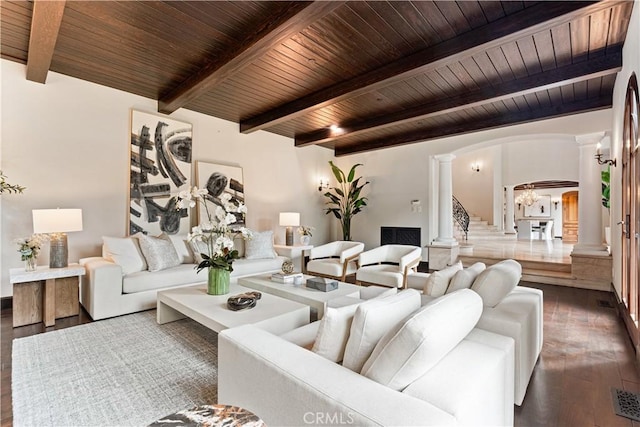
x=304, y=240
x=218, y=281
x=30, y=264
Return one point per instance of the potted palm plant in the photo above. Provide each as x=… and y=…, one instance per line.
x=344, y=200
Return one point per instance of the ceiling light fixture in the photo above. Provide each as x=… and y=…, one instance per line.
x=528, y=197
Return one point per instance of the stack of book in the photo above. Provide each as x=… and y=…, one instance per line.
x=286, y=278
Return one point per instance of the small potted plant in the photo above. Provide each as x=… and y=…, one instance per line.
x=305, y=234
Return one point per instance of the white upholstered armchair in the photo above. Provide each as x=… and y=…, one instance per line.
x=335, y=260
x=388, y=265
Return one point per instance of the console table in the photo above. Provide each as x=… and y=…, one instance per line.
x=45, y=294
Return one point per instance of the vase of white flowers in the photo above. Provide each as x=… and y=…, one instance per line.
x=214, y=236
x=29, y=247
x=305, y=234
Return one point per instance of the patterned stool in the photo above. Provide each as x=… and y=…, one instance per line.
x=211, y=416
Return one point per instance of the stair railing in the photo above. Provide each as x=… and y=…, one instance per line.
x=461, y=216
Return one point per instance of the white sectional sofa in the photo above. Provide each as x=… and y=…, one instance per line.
x=465, y=374
x=121, y=282
x=509, y=310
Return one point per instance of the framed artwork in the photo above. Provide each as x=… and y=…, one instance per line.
x=217, y=180
x=160, y=167
x=541, y=208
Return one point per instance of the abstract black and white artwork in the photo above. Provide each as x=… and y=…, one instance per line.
x=160, y=169
x=542, y=207
x=217, y=180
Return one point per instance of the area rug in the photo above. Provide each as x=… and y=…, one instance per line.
x=125, y=371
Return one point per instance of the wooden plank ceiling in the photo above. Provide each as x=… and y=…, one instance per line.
x=350, y=76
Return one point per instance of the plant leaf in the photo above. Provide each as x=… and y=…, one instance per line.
x=337, y=172
x=352, y=172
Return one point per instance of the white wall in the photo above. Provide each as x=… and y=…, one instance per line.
x=68, y=142
x=474, y=189
x=630, y=64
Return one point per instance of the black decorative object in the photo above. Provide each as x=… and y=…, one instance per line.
x=243, y=301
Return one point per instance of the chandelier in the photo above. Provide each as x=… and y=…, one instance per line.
x=528, y=197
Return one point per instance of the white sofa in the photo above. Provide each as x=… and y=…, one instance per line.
x=510, y=310
x=286, y=384
x=119, y=283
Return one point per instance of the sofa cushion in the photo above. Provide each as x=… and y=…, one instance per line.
x=182, y=246
x=249, y=267
x=329, y=267
x=463, y=279
x=412, y=348
x=125, y=252
x=437, y=283
x=381, y=274
x=158, y=252
x=333, y=332
x=183, y=274
x=372, y=320
x=494, y=283
x=259, y=246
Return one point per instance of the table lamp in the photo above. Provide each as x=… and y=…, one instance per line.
x=289, y=220
x=56, y=223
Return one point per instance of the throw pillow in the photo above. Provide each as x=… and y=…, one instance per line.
x=412, y=348
x=125, y=252
x=182, y=246
x=497, y=281
x=438, y=281
x=260, y=246
x=198, y=247
x=158, y=252
x=372, y=320
x=463, y=279
x=333, y=332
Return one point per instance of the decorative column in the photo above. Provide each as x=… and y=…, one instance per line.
x=444, y=249
x=509, y=221
x=590, y=259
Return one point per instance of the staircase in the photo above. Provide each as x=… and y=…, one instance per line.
x=550, y=273
x=481, y=230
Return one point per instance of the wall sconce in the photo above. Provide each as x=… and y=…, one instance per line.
x=475, y=167
x=324, y=184
x=555, y=203
x=519, y=206
x=598, y=156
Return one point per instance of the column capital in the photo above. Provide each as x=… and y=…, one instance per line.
x=591, y=138
x=444, y=157
x=510, y=187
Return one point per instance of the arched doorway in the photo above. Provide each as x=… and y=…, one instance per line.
x=570, y=217
x=631, y=211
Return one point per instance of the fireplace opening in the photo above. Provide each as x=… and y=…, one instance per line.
x=400, y=236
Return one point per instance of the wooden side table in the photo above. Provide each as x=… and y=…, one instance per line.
x=46, y=294
x=294, y=252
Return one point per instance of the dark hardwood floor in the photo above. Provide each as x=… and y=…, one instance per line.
x=586, y=352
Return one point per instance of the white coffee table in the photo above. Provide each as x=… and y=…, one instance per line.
x=312, y=297
x=272, y=313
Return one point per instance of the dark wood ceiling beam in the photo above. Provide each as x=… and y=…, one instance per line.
x=511, y=28
x=295, y=17
x=45, y=25
x=482, y=124
x=569, y=74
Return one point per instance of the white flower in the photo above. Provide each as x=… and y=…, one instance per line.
x=220, y=213
x=230, y=218
x=241, y=208
x=225, y=197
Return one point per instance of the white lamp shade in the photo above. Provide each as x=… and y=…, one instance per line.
x=57, y=220
x=289, y=219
